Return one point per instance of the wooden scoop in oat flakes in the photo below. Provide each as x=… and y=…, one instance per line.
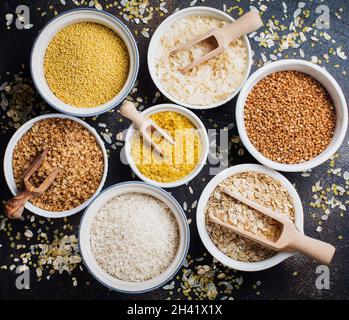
x=14, y=207
x=289, y=239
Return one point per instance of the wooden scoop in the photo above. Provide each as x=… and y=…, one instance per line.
x=290, y=238
x=14, y=207
x=218, y=40
x=146, y=126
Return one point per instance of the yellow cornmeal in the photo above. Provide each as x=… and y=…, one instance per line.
x=86, y=64
x=179, y=160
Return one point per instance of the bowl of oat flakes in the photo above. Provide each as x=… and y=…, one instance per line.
x=74, y=147
x=257, y=183
x=210, y=84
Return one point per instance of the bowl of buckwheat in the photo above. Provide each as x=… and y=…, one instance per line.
x=261, y=185
x=291, y=115
x=73, y=147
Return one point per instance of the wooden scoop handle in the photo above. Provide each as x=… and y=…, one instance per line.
x=128, y=110
x=247, y=23
x=316, y=249
x=15, y=206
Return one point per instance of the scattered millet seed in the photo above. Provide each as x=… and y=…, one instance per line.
x=86, y=64
x=289, y=117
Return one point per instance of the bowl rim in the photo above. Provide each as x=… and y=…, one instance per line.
x=180, y=213
x=108, y=105
x=201, y=225
x=288, y=64
x=203, y=135
x=8, y=170
x=152, y=47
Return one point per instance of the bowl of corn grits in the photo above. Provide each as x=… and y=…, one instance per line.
x=84, y=62
x=181, y=161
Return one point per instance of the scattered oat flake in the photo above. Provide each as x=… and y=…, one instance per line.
x=314, y=59
x=38, y=272
x=301, y=53
x=346, y=175
x=326, y=36
x=264, y=58
x=145, y=34
x=28, y=233
x=297, y=13
x=98, y=7
x=106, y=138
x=169, y=286
x=341, y=54
x=185, y=206
x=193, y=206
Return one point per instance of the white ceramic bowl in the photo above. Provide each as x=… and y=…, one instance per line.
x=155, y=40
x=8, y=170
x=201, y=225
x=203, y=136
x=329, y=83
x=85, y=244
x=57, y=24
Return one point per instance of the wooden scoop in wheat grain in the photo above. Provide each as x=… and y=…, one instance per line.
x=217, y=40
x=14, y=207
x=290, y=238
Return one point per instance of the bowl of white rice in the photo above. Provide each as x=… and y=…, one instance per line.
x=210, y=84
x=134, y=237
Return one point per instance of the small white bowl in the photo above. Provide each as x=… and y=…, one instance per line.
x=85, y=244
x=203, y=136
x=47, y=34
x=8, y=169
x=155, y=40
x=332, y=87
x=201, y=225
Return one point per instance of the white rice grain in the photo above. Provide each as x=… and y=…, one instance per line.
x=134, y=237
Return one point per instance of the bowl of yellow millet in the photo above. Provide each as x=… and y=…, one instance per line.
x=180, y=161
x=84, y=62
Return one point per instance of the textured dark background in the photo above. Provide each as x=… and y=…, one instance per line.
x=293, y=279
